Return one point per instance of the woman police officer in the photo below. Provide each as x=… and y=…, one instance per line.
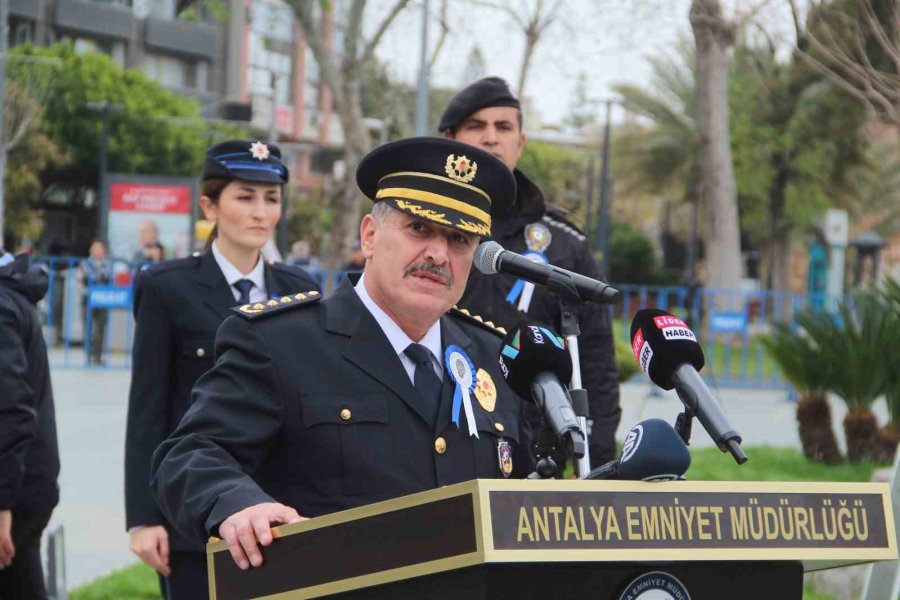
x=178, y=306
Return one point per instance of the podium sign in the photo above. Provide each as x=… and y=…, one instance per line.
x=527, y=527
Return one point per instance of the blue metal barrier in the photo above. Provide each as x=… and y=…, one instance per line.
x=727, y=323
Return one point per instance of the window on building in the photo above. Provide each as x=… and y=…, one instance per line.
x=168, y=70
x=20, y=32
x=113, y=49
x=161, y=9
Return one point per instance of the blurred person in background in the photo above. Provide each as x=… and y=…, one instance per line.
x=95, y=270
x=148, y=236
x=29, y=455
x=178, y=306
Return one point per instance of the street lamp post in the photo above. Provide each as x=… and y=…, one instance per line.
x=603, y=225
x=104, y=107
x=422, y=93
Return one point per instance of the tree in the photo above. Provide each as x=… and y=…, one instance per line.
x=855, y=43
x=342, y=72
x=34, y=153
x=155, y=132
x=714, y=35
x=475, y=68
x=533, y=22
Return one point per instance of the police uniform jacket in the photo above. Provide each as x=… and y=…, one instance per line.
x=311, y=407
x=568, y=249
x=29, y=454
x=178, y=306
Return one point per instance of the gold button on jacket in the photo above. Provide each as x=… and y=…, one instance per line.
x=345, y=414
x=440, y=445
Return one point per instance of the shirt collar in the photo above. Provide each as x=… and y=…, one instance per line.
x=396, y=336
x=231, y=273
x=6, y=258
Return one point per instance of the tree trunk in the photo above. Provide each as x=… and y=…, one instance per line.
x=816, y=434
x=348, y=199
x=861, y=432
x=713, y=36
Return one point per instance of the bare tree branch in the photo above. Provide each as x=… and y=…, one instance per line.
x=445, y=29
x=369, y=50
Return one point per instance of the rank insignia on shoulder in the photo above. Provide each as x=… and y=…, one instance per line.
x=274, y=305
x=468, y=316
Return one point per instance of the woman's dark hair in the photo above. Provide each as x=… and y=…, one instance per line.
x=212, y=188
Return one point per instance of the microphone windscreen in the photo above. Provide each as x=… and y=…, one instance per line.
x=661, y=343
x=486, y=254
x=653, y=451
x=531, y=349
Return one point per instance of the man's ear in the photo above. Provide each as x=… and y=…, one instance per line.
x=367, y=235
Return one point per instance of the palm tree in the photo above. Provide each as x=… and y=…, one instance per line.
x=798, y=357
x=851, y=345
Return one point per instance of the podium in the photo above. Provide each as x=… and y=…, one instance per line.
x=603, y=540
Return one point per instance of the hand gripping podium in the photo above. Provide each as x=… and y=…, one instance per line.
x=544, y=540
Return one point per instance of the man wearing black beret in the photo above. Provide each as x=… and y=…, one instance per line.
x=378, y=391
x=487, y=114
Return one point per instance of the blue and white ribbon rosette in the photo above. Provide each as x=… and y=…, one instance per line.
x=522, y=291
x=462, y=371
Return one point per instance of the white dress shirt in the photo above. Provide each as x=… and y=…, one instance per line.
x=399, y=340
x=231, y=273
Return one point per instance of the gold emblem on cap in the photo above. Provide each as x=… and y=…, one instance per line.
x=485, y=390
x=460, y=169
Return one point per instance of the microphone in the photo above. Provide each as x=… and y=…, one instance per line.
x=534, y=362
x=667, y=350
x=652, y=451
x=491, y=258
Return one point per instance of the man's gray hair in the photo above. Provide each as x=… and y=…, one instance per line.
x=380, y=211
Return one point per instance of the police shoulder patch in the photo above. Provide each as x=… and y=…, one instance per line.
x=465, y=315
x=270, y=307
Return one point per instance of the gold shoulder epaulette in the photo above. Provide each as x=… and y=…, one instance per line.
x=270, y=307
x=468, y=316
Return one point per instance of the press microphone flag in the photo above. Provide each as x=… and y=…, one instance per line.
x=534, y=363
x=491, y=258
x=668, y=351
x=652, y=451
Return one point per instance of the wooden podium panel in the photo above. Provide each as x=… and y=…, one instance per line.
x=601, y=533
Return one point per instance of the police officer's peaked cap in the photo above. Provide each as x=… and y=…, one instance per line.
x=440, y=180
x=484, y=93
x=247, y=160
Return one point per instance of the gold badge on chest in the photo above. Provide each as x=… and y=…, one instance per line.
x=485, y=390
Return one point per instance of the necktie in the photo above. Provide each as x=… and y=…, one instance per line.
x=425, y=380
x=243, y=286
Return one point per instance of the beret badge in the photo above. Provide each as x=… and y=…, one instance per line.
x=460, y=169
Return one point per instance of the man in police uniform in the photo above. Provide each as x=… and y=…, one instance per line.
x=487, y=114
x=379, y=391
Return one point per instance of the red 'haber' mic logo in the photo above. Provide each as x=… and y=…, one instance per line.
x=643, y=354
x=673, y=328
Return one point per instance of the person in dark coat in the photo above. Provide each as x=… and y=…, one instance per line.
x=487, y=114
x=29, y=454
x=379, y=391
x=178, y=306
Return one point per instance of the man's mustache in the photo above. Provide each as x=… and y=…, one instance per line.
x=431, y=268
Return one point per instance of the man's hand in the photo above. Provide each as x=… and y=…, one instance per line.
x=244, y=529
x=7, y=548
x=151, y=544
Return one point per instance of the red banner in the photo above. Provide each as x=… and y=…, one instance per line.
x=150, y=198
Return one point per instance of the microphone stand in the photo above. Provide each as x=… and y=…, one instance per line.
x=569, y=300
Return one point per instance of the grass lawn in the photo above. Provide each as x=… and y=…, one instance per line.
x=138, y=582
